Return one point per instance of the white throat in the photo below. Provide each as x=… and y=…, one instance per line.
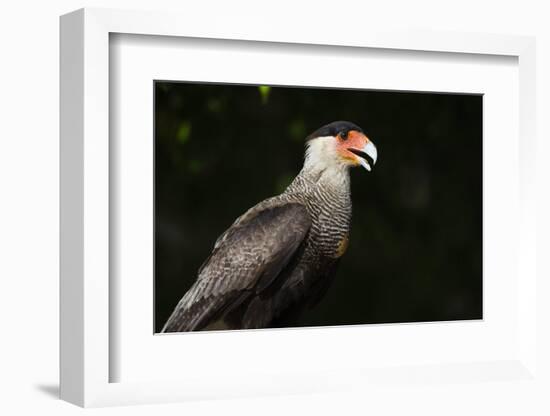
x=323, y=164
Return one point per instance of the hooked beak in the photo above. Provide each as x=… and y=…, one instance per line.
x=369, y=150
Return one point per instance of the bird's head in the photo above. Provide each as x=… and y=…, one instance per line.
x=340, y=144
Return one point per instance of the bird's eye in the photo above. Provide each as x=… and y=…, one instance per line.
x=344, y=135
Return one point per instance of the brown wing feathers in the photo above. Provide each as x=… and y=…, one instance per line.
x=245, y=261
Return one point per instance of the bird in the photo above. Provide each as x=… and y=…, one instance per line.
x=280, y=256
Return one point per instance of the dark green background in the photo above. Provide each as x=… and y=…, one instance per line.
x=415, y=250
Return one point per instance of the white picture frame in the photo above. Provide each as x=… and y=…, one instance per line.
x=86, y=356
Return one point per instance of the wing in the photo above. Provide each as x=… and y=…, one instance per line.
x=322, y=285
x=245, y=261
x=283, y=301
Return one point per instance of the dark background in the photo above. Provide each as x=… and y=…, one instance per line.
x=415, y=250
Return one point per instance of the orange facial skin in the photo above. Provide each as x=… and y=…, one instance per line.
x=354, y=140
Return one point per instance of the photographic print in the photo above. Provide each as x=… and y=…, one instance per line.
x=281, y=207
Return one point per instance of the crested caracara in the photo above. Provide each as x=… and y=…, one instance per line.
x=281, y=255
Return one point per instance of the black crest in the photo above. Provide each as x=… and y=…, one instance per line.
x=334, y=129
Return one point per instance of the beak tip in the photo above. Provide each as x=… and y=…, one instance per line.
x=370, y=149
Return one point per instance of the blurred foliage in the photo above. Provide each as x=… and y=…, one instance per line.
x=264, y=93
x=184, y=131
x=415, y=251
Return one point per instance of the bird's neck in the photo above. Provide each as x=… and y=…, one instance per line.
x=330, y=178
